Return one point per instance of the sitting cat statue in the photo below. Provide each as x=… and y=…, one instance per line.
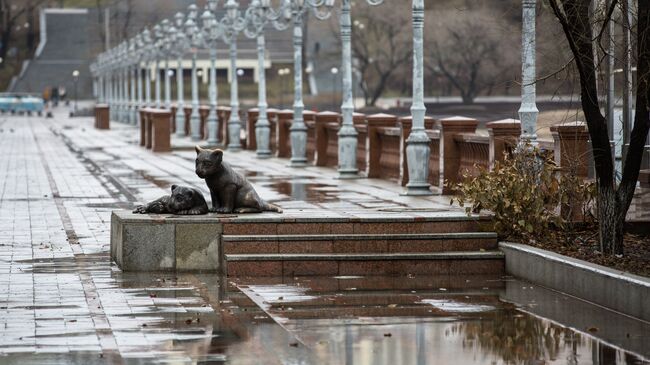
x=183, y=201
x=230, y=191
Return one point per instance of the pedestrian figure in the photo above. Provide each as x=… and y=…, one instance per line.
x=55, y=95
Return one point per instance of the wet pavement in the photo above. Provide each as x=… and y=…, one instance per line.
x=62, y=301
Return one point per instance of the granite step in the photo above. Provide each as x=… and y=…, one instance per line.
x=359, y=243
x=265, y=225
x=330, y=264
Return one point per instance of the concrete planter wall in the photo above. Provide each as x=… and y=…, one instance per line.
x=623, y=292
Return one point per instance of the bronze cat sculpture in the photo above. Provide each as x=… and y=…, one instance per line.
x=183, y=201
x=230, y=191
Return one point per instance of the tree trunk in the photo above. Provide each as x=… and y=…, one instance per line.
x=379, y=89
x=613, y=203
x=467, y=97
x=611, y=226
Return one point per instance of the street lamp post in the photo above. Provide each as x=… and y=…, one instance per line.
x=297, y=8
x=118, y=83
x=257, y=15
x=196, y=39
x=125, y=84
x=334, y=71
x=347, y=133
x=146, y=40
x=283, y=72
x=528, y=109
x=132, y=70
x=159, y=39
x=138, y=69
x=75, y=78
x=166, y=47
x=213, y=31
x=417, y=143
x=180, y=48
x=232, y=23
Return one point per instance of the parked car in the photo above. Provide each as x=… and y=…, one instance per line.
x=21, y=103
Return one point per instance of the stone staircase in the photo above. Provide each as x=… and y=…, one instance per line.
x=370, y=247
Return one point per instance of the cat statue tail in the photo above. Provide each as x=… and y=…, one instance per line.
x=272, y=208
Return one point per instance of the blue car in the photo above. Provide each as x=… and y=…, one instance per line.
x=21, y=103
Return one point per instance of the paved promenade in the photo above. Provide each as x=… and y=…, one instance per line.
x=62, y=301
x=59, y=181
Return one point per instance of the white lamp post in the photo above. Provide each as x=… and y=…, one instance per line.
x=294, y=10
x=213, y=32
x=232, y=23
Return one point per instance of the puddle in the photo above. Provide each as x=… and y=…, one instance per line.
x=205, y=318
x=472, y=321
x=305, y=191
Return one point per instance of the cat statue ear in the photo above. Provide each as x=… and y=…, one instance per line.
x=174, y=187
x=217, y=152
x=198, y=149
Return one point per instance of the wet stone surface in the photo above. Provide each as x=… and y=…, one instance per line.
x=63, y=302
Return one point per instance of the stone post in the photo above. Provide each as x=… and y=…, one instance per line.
x=283, y=133
x=161, y=121
x=148, y=129
x=373, y=142
x=321, y=136
x=405, y=124
x=223, y=115
x=449, y=151
x=251, y=140
x=417, y=144
x=504, y=135
x=143, y=126
x=571, y=153
x=101, y=114
x=571, y=147
x=187, y=114
x=174, y=111
x=204, y=111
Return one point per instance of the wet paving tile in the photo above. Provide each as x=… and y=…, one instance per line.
x=63, y=302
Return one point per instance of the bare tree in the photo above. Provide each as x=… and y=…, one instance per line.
x=613, y=201
x=126, y=17
x=471, y=52
x=381, y=43
x=10, y=12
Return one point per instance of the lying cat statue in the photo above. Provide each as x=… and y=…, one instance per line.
x=230, y=191
x=183, y=201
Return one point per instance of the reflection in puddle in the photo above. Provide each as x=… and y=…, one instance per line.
x=452, y=306
x=196, y=318
x=413, y=322
x=305, y=191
